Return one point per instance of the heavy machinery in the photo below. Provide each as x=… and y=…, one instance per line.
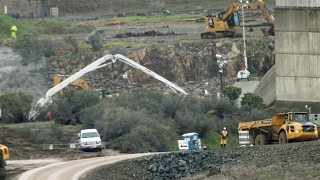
x=102, y=62
x=227, y=22
x=281, y=128
x=4, y=151
x=82, y=84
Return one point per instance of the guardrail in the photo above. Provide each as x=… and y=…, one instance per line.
x=65, y=146
x=298, y=3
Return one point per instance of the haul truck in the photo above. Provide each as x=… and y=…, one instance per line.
x=281, y=128
x=4, y=151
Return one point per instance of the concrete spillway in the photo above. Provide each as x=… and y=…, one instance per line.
x=294, y=81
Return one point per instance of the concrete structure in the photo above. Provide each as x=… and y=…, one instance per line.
x=295, y=79
x=24, y=7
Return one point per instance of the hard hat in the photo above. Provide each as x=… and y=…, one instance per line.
x=224, y=128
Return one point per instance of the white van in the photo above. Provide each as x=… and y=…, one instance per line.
x=89, y=139
x=243, y=74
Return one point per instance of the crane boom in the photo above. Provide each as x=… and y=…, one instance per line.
x=128, y=61
x=102, y=62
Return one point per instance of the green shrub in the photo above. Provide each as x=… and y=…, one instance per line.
x=253, y=100
x=15, y=107
x=232, y=92
x=137, y=136
x=50, y=134
x=48, y=46
x=29, y=47
x=187, y=122
x=118, y=50
x=66, y=110
x=73, y=42
x=95, y=42
x=225, y=108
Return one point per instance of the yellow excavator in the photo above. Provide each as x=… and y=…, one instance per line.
x=4, y=151
x=82, y=84
x=227, y=22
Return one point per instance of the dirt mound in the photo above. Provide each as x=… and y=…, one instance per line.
x=142, y=34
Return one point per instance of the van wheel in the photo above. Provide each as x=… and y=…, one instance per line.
x=238, y=79
x=251, y=139
x=261, y=139
x=283, y=138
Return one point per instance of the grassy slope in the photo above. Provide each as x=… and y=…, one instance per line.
x=135, y=6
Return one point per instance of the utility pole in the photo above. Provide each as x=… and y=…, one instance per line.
x=221, y=61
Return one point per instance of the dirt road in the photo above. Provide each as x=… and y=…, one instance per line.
x=72, y=170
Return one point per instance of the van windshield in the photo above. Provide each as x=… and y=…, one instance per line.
x=90, y=135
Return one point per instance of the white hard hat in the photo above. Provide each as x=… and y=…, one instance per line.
x=224, y=128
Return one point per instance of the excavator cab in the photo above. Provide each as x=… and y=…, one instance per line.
x=106, y=93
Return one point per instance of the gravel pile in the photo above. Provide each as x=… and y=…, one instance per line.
x=176, y=165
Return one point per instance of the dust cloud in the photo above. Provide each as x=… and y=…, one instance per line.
x=27, y=78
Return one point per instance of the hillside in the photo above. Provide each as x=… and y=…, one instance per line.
x=107, y=7
x=185, y=49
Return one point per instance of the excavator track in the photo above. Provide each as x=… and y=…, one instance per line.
x=213, y=35
x=208, y=35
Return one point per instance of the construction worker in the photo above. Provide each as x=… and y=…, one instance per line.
x=13, y=31
x=223, y=137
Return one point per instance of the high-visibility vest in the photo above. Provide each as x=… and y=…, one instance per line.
x=224, y=133
x=14, y=28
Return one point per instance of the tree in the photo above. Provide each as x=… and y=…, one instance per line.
x=232, y=92
x=95, y=42
x=15, y=107
x=73, y=42
x=29, y=47
x=253, y=100
x=66, y=110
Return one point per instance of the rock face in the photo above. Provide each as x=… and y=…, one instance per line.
x=189, y=65
x=185, y=64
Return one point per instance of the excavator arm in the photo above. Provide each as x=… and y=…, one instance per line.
x=259, y=4
x=102, y=62
x=80, y=82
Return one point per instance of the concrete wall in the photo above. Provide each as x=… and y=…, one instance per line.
x=297, y=62
x=22, y=7
x=297, y=45
x=267, y=87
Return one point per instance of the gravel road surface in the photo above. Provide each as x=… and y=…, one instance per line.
x=73, y=170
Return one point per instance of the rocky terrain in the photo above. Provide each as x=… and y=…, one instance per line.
x=185, y=60
x=286, y=161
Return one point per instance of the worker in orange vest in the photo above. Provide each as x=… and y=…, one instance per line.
x=223, y=137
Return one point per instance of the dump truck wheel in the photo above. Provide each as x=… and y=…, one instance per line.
x=261, y=139
x=283, y=138
x=251, y=138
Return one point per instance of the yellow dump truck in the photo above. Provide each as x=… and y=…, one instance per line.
x=281, y=128
x=4, y=151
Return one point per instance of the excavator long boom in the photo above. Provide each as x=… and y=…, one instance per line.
x=102, y=62
x=265, y=12
x=259, y=4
